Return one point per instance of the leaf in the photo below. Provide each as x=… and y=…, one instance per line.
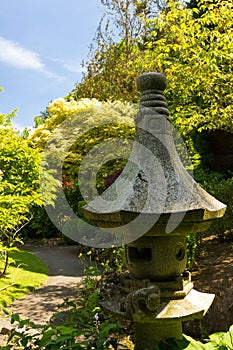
x=194, y=344
x=15, y=318
x=47, y=337
x=222, y=339
x=65, y=329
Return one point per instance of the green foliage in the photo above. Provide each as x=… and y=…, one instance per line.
x=222, y=189
x=193, y=48
x=19, y=166
x=216, y=341
x=191, y=249
x=195, y=54
x=112, y=74
x=19, y=183
x=112, y=260
x=40, y=225
x=87, y=335
x=99, y=130
x=6, y=119
x=120, y=34
x=222, y=340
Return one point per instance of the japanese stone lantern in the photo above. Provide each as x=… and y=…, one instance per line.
x=158, y=203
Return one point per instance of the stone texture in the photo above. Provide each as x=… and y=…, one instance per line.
x=159, y=196
x=154, y=181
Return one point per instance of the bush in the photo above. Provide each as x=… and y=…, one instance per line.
x=19, y=186
x=216, y=341
x=98, y=130
x=222, y=189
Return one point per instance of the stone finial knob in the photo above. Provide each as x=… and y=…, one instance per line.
x=151, y=81
x=151, y=86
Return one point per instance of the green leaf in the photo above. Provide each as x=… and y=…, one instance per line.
x=222, y=339
x=15, y=318
x=65, y=329
x=193, y=344
x=47, y=337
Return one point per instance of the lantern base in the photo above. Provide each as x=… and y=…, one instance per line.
x=155, y=318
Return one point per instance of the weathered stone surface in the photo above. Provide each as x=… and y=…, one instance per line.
x=193, y=306
x=157, y=258
x=154, y=181
x=159, y=203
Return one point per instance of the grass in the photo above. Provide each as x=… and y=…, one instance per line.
x=24, y=273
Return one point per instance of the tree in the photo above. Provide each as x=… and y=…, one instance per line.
x=197, y=60
x=125, y=21
x=198, y=4
x=93, y=123
x=84, y=142
x=195, y=54
x=19, y=186
x=120, y=37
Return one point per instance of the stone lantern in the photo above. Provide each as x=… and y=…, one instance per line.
x=158, y=203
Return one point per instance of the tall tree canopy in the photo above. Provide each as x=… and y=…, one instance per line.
x=195, y=54
x=122, y=30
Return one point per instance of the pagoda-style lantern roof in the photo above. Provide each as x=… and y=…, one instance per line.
x=154, y=188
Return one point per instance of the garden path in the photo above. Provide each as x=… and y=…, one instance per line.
x=65, y=277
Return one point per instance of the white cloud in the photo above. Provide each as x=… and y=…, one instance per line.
x=16, y=55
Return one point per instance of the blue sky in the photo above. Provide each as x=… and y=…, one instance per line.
x=42, y=45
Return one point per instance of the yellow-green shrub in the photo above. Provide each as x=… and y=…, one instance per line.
x=87, y=132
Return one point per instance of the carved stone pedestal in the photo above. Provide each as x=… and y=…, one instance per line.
x=157, y=314
x=151, y=208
